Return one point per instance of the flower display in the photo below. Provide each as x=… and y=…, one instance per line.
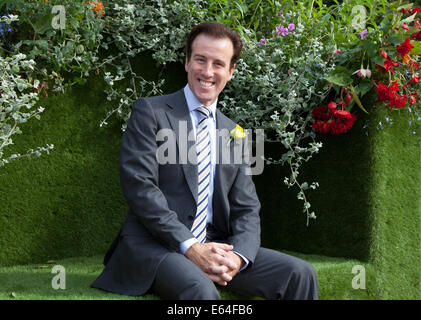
x=394, y=80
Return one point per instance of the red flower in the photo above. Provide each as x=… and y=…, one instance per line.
x=390, y=94
x=416, y=35
x=414, y=79
x=332, y=121
x=321, y=113
x=331, y=105
x=389, y=64
x=395, y=86
x=404, y=47
x=398, y=102
x=412, y=11
x=405, y=26
x=342, y=114
x=348, y=98
x=383, y=93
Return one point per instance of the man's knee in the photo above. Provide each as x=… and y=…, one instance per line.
x=303, y=281
x=303, y=270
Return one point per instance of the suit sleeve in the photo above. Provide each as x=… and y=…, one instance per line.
x=139, y=171
x=244, y=212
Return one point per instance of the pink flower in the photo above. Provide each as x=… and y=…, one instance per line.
x=384, y=54
x=363, y=73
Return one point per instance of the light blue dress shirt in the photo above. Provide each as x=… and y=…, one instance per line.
x=193, y=103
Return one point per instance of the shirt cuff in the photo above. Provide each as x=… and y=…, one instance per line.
x=185, y=245
x=246, y=262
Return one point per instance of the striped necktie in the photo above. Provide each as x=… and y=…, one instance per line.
x=204, y=170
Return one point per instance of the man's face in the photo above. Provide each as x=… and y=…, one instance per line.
x=209, y=68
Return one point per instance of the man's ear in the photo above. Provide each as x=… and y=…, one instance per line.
x=231, y=72
x=186, y=64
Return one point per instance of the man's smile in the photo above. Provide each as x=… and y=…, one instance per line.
x=206, y=84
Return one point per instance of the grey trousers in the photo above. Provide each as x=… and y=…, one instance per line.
x=273, y=275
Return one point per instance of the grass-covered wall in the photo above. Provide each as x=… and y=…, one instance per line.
x=69, y=203
x=395, y=205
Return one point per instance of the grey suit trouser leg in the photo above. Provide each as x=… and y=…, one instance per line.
x=273, y=275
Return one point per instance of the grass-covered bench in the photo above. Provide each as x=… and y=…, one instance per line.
x=34, y=281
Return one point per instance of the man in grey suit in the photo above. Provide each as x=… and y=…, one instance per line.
x=194, y=224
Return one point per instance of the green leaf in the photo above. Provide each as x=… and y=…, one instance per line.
x=386, y=24
x=340, y=76
x=417, y=47
x=377, y=60
x=357, y=100
x=43, y=24
x=408, y=20
x=364, y=87
x=42, y=44
x=370, y=48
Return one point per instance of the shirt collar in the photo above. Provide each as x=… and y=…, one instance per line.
x=193, y=103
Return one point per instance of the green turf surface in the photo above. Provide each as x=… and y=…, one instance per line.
x=34, y=281
x=396, y=206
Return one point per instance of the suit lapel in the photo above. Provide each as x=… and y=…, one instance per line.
x=180, y=121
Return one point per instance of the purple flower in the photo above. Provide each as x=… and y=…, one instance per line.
x=262, y=42
x=363, y=34
x=281, y=30
x=291, y=26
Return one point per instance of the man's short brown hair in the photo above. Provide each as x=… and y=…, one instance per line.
x=216, y=30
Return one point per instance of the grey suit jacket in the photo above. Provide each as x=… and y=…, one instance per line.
x=162, y=198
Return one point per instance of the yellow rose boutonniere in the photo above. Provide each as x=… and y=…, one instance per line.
x=236, y=134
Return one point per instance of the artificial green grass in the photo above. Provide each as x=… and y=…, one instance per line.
x=395, y=201
x=67, y=203
x=33, y=281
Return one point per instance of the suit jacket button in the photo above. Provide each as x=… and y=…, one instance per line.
x=191, y=217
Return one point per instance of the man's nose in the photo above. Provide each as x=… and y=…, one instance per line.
x=208, y=70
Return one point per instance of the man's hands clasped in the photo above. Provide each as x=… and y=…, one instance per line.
x=216, y=260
